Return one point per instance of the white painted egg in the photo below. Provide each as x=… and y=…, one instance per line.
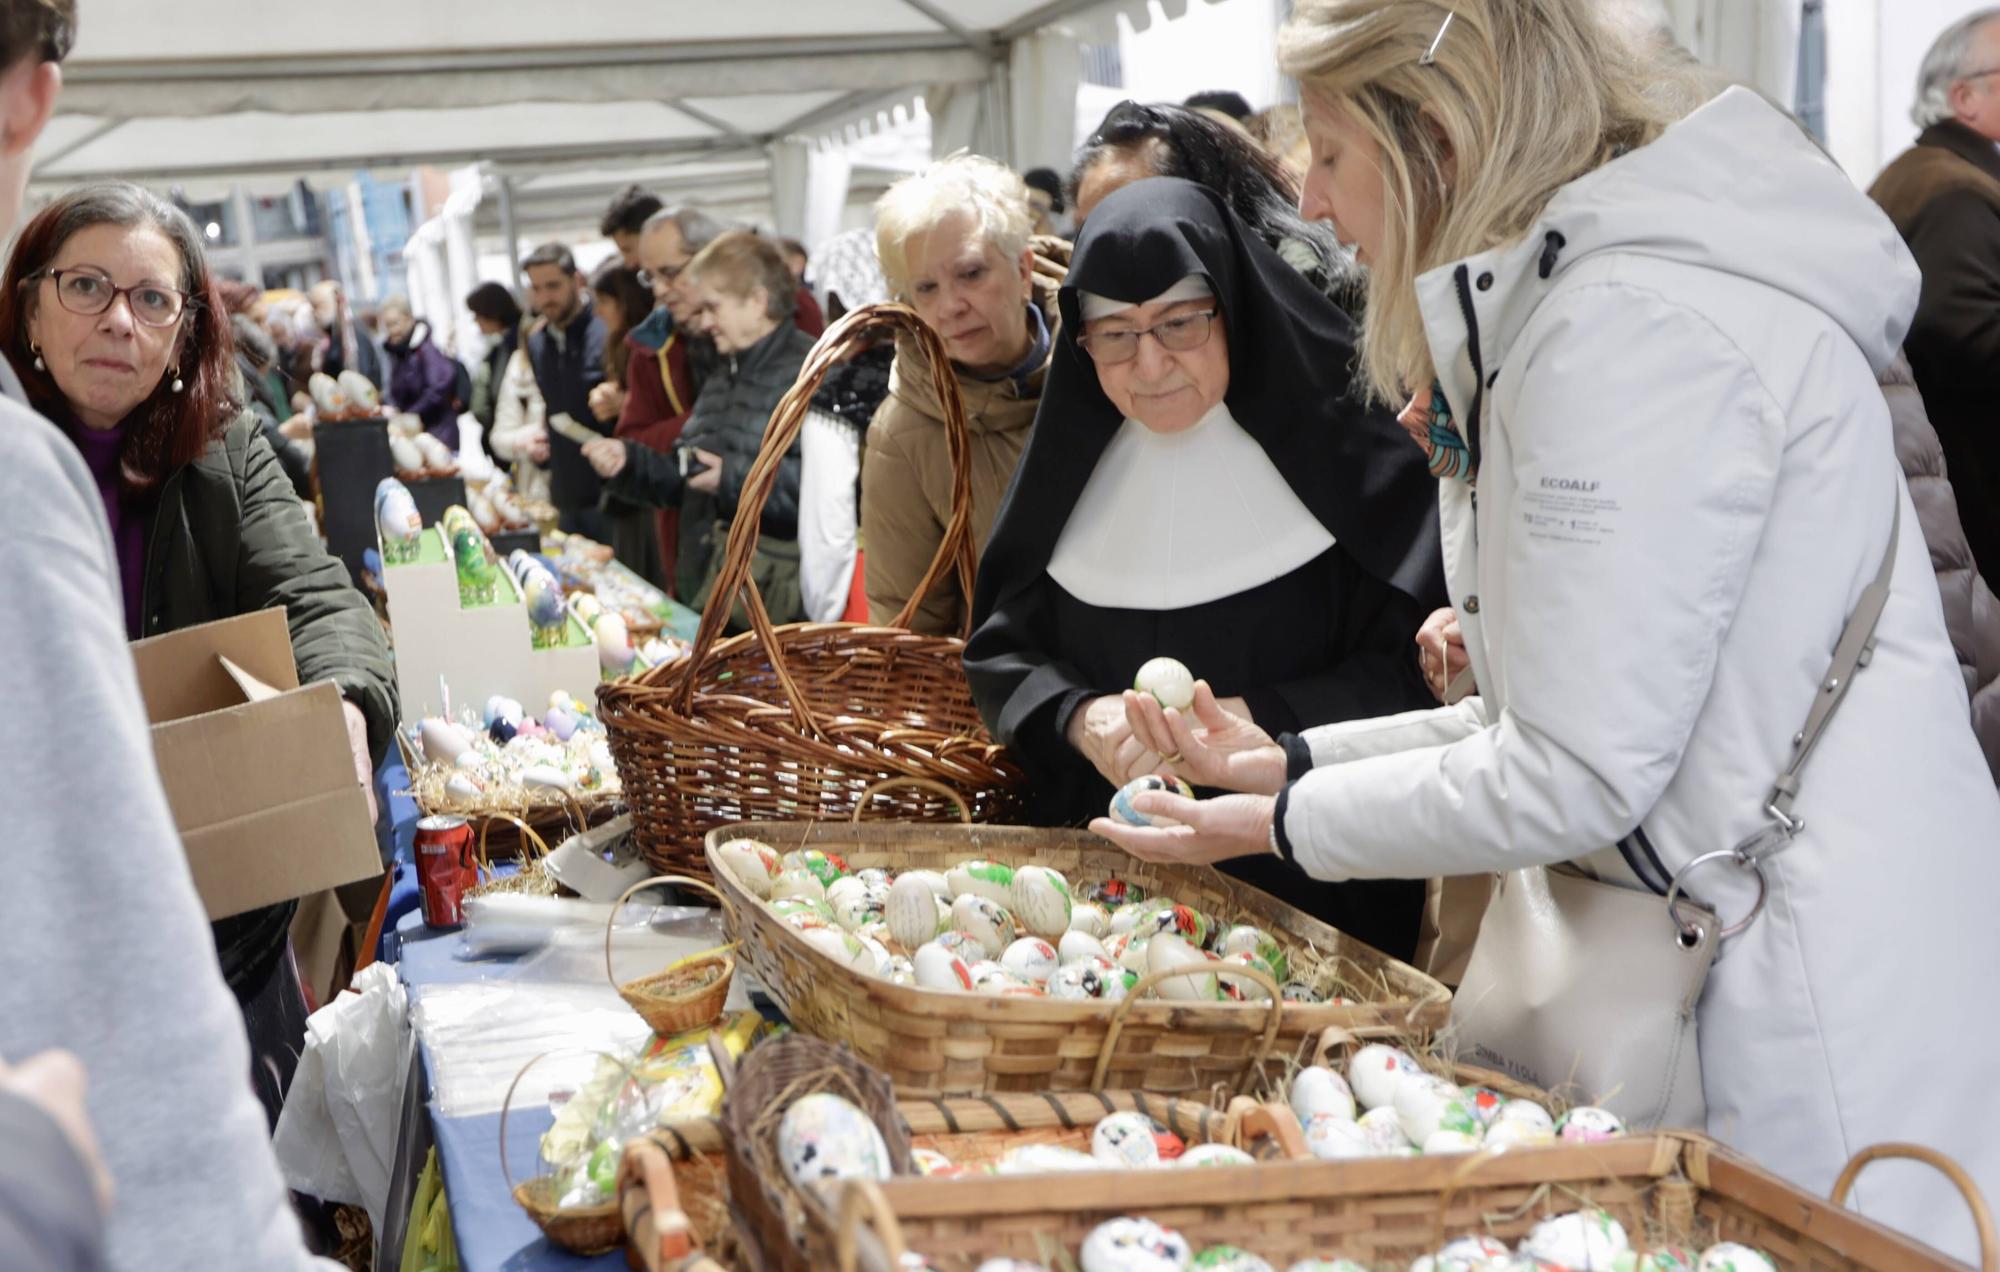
x=1168, y=951
x=1228, y=1258
x=1244, y=988
x=546, y=777
x=1090, y=978
x=1671, y=1258
x=1202, y=1155
x=1318, y=1090
x=875, y=875
x=797, y=883
x=1041, y=901
x=1426, y=1105
x=1031, y=958
x=396, y=517
x=912, y=911
x=932, y=879
x=1089, y=918
x=1584, y=1241
x=361, y=394
x=878, y=953
x=1041, y=1159
x=1334, y=1139
x=463, y=786
x=842, y=947
x=1123, y=811
x=1588, y=1124
x=1485, y=1103
x=988, y=977
x=1168, y=680
x=1134, y=1245
x=1129, y=951
x=614, y=643
x=1075, y=945
x=1731, y=1256
x=1468, y=1254
x=1242, y=938
x=939, y=968
x=988, y=879
x=897, y=970
x=1528, y=1113
x=544, y=598
x=404, y=456
x=1442, y=1141
x=823, y=1136
x=960, y=943
x=792, y=908
x=855, y=903
x=1505, y=1135
x=442, y=740
x=501, y=707
x=1125, y=1140
x=1376, y=1071
x=1385, y=1133
x=984, y=920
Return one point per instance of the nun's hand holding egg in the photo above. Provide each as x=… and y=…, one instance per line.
x=1100, y=731
x=1208, y=830
x=1216, y=744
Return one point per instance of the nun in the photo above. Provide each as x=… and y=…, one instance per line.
x=1203, y=483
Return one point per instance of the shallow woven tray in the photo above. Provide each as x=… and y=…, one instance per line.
x=934, y=1042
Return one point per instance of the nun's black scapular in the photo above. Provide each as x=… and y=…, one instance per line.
x=1327, y=641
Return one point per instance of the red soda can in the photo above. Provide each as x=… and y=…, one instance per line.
x=445, y=869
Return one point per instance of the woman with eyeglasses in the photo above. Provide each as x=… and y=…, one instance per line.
x=112, y=321
x=1201, y=485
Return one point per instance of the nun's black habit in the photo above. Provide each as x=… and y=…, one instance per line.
x=1330, y=640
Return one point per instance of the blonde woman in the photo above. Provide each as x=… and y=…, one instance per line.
x=954, y=243
x=1642, y=351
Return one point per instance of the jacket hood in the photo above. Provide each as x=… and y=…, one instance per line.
x=653, y=333
x=1737, y=187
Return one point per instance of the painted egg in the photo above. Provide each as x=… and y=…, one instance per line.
x=912, y=911
x=856, y=903
x=1385, y=1133
x=797, y=883
x=1485, y=1103
x=437, y=456
x=1041, y=901
x=1243, y=988
x=1216, y=1155
x=1376, y=1071
x=1134, y=1245
x=396, y=516
x=897, y=970
x=1677, y=1259
x=1228, y=1258
x=875, y=875
x=614, y=643
x=842, y=947
x=1426, y=1105
x=1129, y=951
x=987, y=879
x=1731, y=1256
x=1241, y=938
x=984, y=920
x=939, y=968
x=1041, y=1159
x=501, y=707
x=1505, y=1135
x=750, y=863
x=1588, y=1124
x=442, y=740
x=544, y=597
x=1468, y=1254
x=1031, y=958
x=1126, y=1140
x=929, y=1161
x=1334, y=1139
x=1090, y=978
x=823, y=1136
x=788, y=908
x=932, y=879
x=361, y=395
x=1168, y=951
x=1089, y=918
x=1300, y=992
x=1528, y=1113
x=1585, y=1239
x=1168, y=680
x=559, y=722
x=463, y=786
x=1121, y=803
x=546, y=777
x=1111, y=893
x=1443, y=1141
x=1162, y=915
x=960, y=943
x=1075, y=945
x=827, y=866
x=1318, y=1090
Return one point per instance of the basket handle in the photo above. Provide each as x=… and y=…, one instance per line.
x=507, y=1105
x=854, y=1196
x=534, y=847
x=1248, y=1120
x=841, y=341
x=935, y=787
x=650, y=1202
x=611, y=919
x=1982, y=1216
x=1150, y=979
x=1334, y=1037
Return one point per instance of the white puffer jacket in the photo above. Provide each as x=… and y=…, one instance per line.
x=1686, y=479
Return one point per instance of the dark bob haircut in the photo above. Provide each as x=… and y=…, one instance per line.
x=169, y=430
x=493, y=302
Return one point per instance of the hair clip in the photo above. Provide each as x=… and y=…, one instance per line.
x=1430, y=56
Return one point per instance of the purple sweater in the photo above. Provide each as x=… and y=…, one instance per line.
x=100, y=449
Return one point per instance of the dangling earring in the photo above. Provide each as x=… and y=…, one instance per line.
x=37, y=351
x=177, y=386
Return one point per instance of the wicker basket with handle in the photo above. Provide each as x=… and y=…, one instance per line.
x=935, y=1042
x=795, y=722
x=1389, y=1212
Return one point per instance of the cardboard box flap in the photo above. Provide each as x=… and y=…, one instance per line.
x=223, y=765
x=283, y=851
x=182, y=673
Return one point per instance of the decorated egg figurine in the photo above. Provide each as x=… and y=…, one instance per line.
x=1030, y=958
x=1125, y=1140
x=1203, y=1155
x=854, y=904
x=1584, y=1239
x=1318, y=1090
x=989, y=879
x=1121, y=803
x=1041, y=900
x=1129, y=951
x=1731, y=1256
x=984, y=921
x=1588, y=1124
x=1485, y=1103
x=823, y=1136
x=1376, y=1071
x=1168, y=951
x=1168, y=680
x=1089, y=918
x=960, y=943
x=912, y=911
x=1134, y=1245
x=1229, y=1258
x=1334, y=1139
x=939, y=968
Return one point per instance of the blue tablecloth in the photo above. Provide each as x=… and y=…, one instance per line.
x=494, y=1234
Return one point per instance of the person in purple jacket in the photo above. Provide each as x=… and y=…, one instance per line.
x=423, y=379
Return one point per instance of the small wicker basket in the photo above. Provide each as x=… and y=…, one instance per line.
x=586, y=1230
x=531, y=880
x=685, y=995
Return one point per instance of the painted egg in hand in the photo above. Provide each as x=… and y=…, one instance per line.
x=1168, y=680
x=1122, y=809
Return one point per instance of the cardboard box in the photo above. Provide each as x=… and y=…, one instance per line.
x=257, y=770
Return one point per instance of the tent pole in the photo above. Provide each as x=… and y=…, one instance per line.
x=509, y=233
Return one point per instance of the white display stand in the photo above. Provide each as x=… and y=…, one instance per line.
x=481, y=651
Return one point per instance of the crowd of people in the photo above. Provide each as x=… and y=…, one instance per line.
x=1517, y=438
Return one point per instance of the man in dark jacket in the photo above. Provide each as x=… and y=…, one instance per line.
x=1944, y=196
x=566, y=349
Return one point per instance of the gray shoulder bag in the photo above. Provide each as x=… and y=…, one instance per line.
x=1584, y=986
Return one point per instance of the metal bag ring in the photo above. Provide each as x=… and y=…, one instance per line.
x=1676, y=893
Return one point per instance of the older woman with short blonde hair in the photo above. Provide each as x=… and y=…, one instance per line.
x=954, y=243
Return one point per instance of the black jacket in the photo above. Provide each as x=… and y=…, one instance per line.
x=568, y=365
x=728, y=420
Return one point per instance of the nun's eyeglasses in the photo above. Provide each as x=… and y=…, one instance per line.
x=1176, y=335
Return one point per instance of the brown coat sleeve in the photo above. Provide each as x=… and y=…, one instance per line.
x=900, y=533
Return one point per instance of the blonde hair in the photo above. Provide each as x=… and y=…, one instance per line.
x=1521, y=98
x=738, y=262
x=992, y=195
